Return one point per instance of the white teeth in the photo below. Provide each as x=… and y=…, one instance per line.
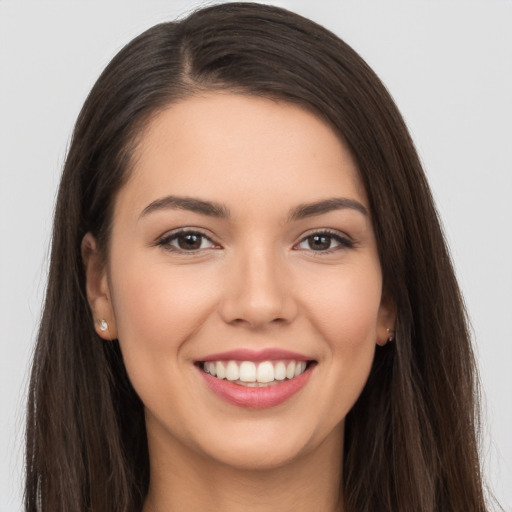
x=265, y=372
x=280, y=371
x=232, y=372
x=220, y=370
x=249, y=372
x=299, y=368
x=290, y=370
x=210, y=368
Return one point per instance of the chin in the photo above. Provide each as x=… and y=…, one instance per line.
x=263, y=448
x=252, y=456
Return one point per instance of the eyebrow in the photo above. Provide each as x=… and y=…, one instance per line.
x=213, y=209
x=305, y=210
x=209, y=208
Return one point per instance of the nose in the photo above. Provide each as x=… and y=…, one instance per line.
x=258, y=291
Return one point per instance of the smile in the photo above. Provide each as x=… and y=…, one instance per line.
x=255, y=374
x=256, y=380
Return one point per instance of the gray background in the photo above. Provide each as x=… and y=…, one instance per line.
x=448, y=64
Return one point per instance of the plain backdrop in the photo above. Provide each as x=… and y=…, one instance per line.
x=448, y=64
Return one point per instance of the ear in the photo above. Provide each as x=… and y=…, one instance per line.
x=386, y=320
x=97, y=289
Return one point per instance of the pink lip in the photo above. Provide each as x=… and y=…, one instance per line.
x=269, y=354
x=256, y=398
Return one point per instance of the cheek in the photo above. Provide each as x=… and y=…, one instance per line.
x=158, y=307
x=347, y=318
x=344, y=306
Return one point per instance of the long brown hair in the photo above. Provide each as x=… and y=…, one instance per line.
x=411, y=438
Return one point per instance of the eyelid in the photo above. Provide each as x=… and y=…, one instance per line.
x=165, y=239
x=345, y=241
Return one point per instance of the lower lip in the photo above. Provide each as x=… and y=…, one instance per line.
x=256, y=398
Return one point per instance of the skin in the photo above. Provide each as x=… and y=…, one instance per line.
x=256, y=282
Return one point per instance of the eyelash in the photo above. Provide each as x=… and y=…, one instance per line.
x=166, y=240
x=344, y=242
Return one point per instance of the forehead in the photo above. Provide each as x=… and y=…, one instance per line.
x=232, y=147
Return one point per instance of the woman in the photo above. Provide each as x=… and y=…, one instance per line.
x=250, y=302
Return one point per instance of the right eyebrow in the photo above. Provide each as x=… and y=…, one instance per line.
x=200, y=206
x=306, y=210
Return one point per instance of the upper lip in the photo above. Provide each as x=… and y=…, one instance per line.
x=268, y=354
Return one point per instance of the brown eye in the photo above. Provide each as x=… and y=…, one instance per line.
x=325, y=241
x=186, y=241
x=319, y=242
x=190, y=242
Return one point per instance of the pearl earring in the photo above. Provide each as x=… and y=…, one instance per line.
x=103, y=325
x=391, y=334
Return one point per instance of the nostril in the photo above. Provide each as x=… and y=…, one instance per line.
x=255, y=322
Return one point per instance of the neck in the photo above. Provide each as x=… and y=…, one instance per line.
x=183, y=480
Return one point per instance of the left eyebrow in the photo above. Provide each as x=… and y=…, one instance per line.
x=305, y=210
x=187, y=203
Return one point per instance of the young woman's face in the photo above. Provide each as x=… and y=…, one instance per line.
x=242, y=245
